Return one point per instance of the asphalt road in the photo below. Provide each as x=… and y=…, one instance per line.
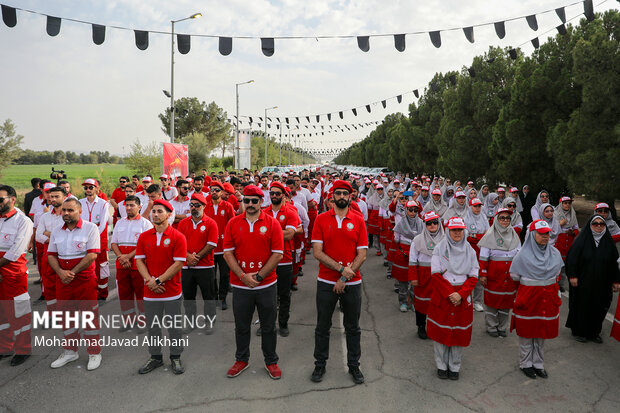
x=399, y=369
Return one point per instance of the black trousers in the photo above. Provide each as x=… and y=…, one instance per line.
x=264, y=301
x=220, y=263
x=157, y=309
x=351, y=302
x=285, y=276
x=191, y=279
x=420, y=319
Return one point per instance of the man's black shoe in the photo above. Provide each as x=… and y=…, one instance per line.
x=453, y=375
x=541, y=373
x=422, y=332
x=442, y=374
x=19, y=359
x=529, y=372
x=177, y=366
x=317, y=374
x=224, y=305
x=150, y=365
x=284, y=331
x=300, y=273
x=358, y=377
x=580, y=339
x=597, y=340
x=294, y=287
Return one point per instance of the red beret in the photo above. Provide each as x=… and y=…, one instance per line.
x=163, y=203
x=198, y=197
x=340, y=184
x=218, y=184
x=278, y=185
x=228, y=188
x=253, y=190
x=287, y=190
x=208, y=180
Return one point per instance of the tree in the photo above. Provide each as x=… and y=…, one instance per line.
x=198, y=150
x=9, y=144
x=144, y=159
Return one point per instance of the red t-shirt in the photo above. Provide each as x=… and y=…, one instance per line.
x=224, y=213
x=199, y=235
x=118, y=195
x=232, y=200
x=340, y=242
x=288, y=217
x=158, y=256
x=253, y=245
x=102, y=195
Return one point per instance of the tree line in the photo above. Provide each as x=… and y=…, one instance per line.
x=549, y=120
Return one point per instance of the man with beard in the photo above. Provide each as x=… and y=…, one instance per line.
x=168, y=192
x=264, y=186
x=253, y=247
x=160, y=254
x=360, y=203
x=72, y=254
x=181, y=202
x=221, y=212
x=118, y=195
x=48, y=222
x=289, y=221
x=96, y=210
x=124, y=240
x=340, y=243
x=154, y=194
x=15, y=312
x=199, y=271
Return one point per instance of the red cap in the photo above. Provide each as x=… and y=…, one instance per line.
x=430, y=215
x=566, y=198
x=190, y=180
x=501, y=189
x=165, y=176
x=218, y=184
x=470, y=182
x=163, y=203
x=147, y=179
x=475, y=201
x=514, y=189
x=47, y=186
x=198, y=197
x=456, y=223
x=436, y=191
x=253, y=190
x=601, y=205
x=540, y=226
x=425, y=188
x=411, y=204
x=278, y=185
x=90, y=181
x=460, y=194
x=228, y=188
x=340, y=184
x=500, y=210
x=396, y=181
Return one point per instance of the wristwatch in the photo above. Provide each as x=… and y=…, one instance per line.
x=341, y=269
x=258, y=277
x=157, y=281
x=343, y=279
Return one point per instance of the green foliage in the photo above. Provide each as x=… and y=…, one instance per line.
x=144, y=159
x=9, y=144
x=549, y=120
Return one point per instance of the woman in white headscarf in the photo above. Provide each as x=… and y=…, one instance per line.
x=420, y=255
x=458, y=209
x=602, y=209
x=404, y=233
x=569, y=227
x=385, y=228
x=375, y=195
x=454, y=270
x=491, y=205
x=436, y=203
x=516, y=221
x=424, y=197
x=447, y=195
x=498, y=247
x=514, y=194
x=591, y=267
x=471, y=194
x=536, y=310
x=477, y=226
x=483, y=193
x=542, y=198
x=546, y=212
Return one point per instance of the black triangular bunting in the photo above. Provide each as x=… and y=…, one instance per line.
x=225, y=45
x=469, y=33
x=267, y=46
x=500, y=29
x=183, y=43
x=53, y=25
x=399, y=42
x=363, y=43
x=435, y=38
x=98, y=34
x=142, y=39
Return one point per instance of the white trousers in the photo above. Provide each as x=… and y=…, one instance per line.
x=448, y=357
x=531, y=352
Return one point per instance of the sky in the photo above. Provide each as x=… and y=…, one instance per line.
x=65, y=92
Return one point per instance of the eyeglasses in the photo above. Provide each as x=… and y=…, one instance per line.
x=504, y=218
x=89, y=187
x=216, y=190
x=254, y=201
x=341, y=193
x=433, y=222
x=598, y=224
x=195, y=204
x=275, y=193
x=544, y=196
x=3, y=198
x=602, y=210
x=379, y=189
x=412, y=209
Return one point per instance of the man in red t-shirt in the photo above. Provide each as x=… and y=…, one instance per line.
x=199, y=271
x=160, y=254
x=339, y=243
x=253, y=247
x=118, y=196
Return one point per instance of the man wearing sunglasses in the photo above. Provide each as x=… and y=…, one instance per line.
x=119, y=193
x=253, y=247
x=181, y=202
x=339, y=242
x=168, y=192
x=221, y=212
x=95, y=210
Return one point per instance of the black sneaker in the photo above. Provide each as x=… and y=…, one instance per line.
x=150, y=365
x=294, y=287
x=224, y=305
x=177, y=366
x=501, y=333
x=284, y=332
x=300, y=273
x=358, y=377
x=422, y=332
x=442, y=374
x=597, y=340
x=317, y=374
x=493, y=334
x=187, y=330
x=259, y=332
x=19, y=359
x=581, y=339
x=453, y=375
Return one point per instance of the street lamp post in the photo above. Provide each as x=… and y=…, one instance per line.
x=193, y=16
x=265, y=136
x=236, y=151
x=280, y=144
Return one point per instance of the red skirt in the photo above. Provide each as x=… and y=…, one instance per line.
x=615, y=328
x=399, y=256
x=473, y=241
x=564, y=242
x=373, y=222
x=536, y=312
x=501, y=290
x=448, y=324
x=422, y=292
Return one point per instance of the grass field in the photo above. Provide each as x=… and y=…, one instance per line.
x=18, y=176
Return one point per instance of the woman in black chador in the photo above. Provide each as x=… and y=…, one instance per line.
x=593, y=272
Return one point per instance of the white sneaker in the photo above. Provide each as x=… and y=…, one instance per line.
x=94, y=361
x=66, y=357
x=478, y=307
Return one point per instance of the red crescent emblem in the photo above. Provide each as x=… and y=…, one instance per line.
x=80, y=245
x=7, y=236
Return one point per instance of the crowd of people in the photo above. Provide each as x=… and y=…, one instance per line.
x=450, y=248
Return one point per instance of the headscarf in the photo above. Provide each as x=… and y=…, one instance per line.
x=482, y=196
x=517, y=200
x=500, y=238
x=489, y=209
x=422, y=200
x=438, y=206
x=554, y=224
x=409, y=227
x=515, y=218
x=458, y=257
x=535, y=261
x=444, y=194
x=469, y=194
x=374, y=197
x=612, y=226
x=476, y=223
x=426, y=242
x=539, y=202
x=456, y=210
x=386, y=200
x=569, y=216
x=597, y=235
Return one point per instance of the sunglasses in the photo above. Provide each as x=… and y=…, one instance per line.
x=598, y=224
x=122, y=182
x=275, y=193
x=379, y=189
x=4, y=198
x=504, y=218
x=433, y=222
x=254, y=201
x=511, y=205
x=544, y=196
x=412, y=209
x=195, y=204
x=185, y=187
x=89, y=187
x=602, y=210
x=341, y=193
x=216, y=190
